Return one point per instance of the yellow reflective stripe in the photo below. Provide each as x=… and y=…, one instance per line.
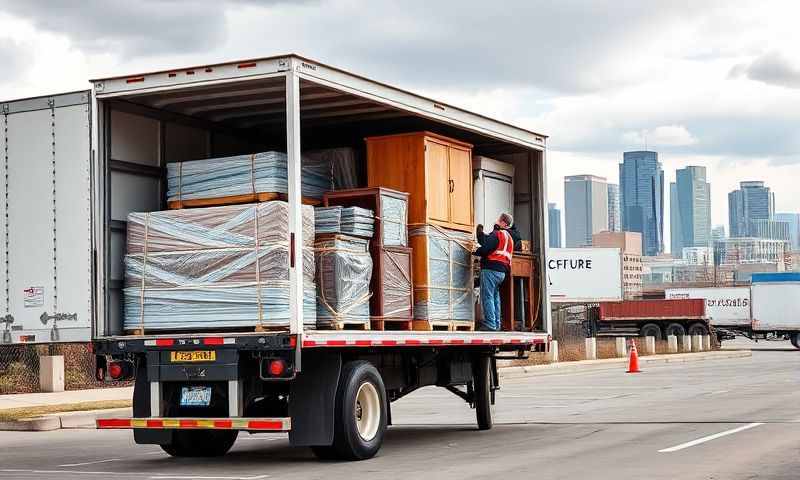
x=239, y=424
x=138, y=423
x=171, y=423
x=205, y=423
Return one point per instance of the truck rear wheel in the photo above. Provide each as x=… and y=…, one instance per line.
x=675, y=329
x=482, y=374
x=698, y=329
x=200, y=443
x=361, y=414
x=795, y=339
x=650, y=330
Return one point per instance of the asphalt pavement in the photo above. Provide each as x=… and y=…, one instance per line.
x=720, y=419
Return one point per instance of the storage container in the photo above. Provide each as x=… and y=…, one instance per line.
x=653, y=309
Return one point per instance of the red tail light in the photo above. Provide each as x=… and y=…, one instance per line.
x=277, y=367
x=120, y=370
x=115, y=370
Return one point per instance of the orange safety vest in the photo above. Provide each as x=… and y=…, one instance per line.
x=504, y=249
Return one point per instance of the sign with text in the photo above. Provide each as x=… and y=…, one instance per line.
x=582, y=275
x=724, y=306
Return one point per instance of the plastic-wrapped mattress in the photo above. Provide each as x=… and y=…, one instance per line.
x=344, y=271
x=203, y=268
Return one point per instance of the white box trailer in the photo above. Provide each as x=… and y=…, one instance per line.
x=725, y=306
x=254, y=381
x=46, y=280
x=584, y=275
x=776, y=304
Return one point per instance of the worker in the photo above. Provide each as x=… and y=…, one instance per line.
x=495, y=251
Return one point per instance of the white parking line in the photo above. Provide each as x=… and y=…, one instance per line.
x=90, y=463
x=709, y=438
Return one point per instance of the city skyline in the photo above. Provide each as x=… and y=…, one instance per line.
x=641, y=187
x=585, y=208
x=690, y=221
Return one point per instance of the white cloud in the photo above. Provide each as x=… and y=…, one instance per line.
x=662, y=136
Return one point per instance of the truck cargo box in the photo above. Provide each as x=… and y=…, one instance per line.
x=776, y=301
x=690, y=308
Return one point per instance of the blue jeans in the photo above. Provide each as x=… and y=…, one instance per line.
x=490, y=298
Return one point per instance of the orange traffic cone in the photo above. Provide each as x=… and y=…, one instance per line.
x=633, y=359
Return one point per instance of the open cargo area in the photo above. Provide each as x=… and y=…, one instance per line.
x=223, y=135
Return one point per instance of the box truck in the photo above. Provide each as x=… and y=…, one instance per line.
x=77, y=164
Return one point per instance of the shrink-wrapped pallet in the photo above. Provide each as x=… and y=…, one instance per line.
x=344, y=271
x=443, y=274
x=203, y=268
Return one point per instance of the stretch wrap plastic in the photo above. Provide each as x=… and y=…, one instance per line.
x=344, y=271
x=449, y=293
x=355, y=221
x=394, y=220
x=217, y=267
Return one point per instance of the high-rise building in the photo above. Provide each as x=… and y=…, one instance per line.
x=630, y=245
x=641, y=187
x=690, y=210
x=718, y=233
x=585, y=208
x=554, y=226
x=752, y=201
x=614, y=218
x=793, y=219
x=769, y=229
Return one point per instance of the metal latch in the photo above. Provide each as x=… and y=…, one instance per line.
x=58, y=316
x=5, y=108
x=51, y=102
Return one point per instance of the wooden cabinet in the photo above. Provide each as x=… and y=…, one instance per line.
x=436, y=171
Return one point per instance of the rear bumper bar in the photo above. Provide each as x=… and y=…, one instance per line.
x=250, y=424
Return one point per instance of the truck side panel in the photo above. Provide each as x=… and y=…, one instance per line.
x=46, y=235
x=776, y=306
x=653, y=309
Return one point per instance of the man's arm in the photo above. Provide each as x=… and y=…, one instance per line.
x=489, y=245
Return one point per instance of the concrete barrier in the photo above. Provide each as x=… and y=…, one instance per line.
x=622, y=348
x=591, y=348
x=552, y=354
x=672, y=344
x=697, y=343
x=51, y=373
x=686, y=344
x=650, y=345
x=707, y=343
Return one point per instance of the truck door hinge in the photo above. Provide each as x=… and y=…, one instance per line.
x=5, y=108
x=284, y=64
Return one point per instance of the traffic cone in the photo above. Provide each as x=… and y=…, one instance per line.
x=633, y=359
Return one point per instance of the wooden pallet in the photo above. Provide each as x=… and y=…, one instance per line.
x=211, y=330
x=444, y=325
x=345, y=325
x=235, y=200
x=402, y=324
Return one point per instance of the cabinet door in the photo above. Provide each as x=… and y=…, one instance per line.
x=437, y=164
x=461, y=186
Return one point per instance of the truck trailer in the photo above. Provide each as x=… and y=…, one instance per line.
x=652, y=318
x=79, y=163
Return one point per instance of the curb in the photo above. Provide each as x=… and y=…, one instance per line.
x=65, y=420
x=615, y=363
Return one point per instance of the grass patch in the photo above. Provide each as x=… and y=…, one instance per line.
x=12, y=414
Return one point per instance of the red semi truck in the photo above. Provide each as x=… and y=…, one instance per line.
x=195, y=391
x=655, y=318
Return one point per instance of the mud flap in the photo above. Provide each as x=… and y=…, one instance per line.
x=312, y=399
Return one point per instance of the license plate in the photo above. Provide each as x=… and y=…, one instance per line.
x=194, y=356
x=195, y=396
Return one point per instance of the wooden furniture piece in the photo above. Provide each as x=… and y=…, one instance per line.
x=518, y=289
x=391, y=304
x=443, y=278
x=435, y=170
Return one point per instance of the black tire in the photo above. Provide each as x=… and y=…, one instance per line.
x=698, y=329
x=675, y=329
x=795, y=339
x=650, y=330
x=348, y=442
x=201, y=443
x=482, y=375
x=325, y=452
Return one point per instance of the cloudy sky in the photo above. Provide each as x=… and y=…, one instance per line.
x=714, y=83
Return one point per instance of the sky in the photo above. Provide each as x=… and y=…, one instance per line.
x=713, y=83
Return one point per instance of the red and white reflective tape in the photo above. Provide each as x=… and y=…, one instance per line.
x=255, y=424
x=413, y=342
x=170, y=342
